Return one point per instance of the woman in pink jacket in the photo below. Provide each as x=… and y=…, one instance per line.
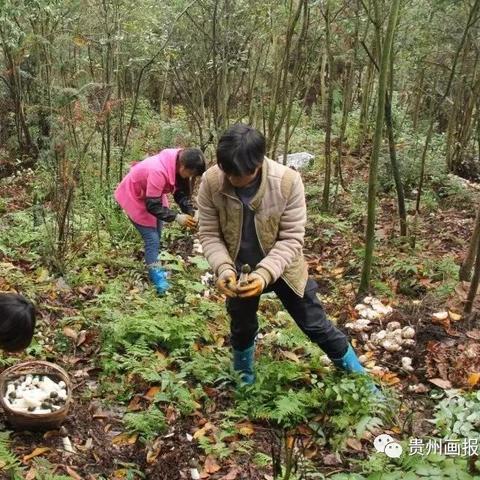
x=142, y=194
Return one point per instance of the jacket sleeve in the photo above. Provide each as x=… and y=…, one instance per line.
x=155, y=207
x=211, y=238
x=291, y=235
x=184, y=201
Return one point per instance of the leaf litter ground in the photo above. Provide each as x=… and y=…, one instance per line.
x=445, y=352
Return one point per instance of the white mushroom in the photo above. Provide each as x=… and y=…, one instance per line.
x=408, y=342
x=391, y=326
x=378, y=337
x=369, y=314
x=390, y=346
x=440, y=316
x=325, y=360
x=407, y=364
x=360, y=307
x=381, y=334
x=380, y=308
x=408, y=332
x=367, y=300
x=359, y=326
x=194, y=474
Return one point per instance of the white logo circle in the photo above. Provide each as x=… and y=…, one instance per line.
x=393, y=450
x=381, y=441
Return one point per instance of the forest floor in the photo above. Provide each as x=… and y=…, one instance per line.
x=159, y=409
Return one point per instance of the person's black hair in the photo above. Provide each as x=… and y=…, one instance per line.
x=194, y=160
x=240, y=150
x=17, y=322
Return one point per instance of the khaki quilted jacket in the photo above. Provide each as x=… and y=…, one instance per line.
x=280, y=217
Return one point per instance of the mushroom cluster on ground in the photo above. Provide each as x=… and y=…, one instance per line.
x=392, y=338
x=35, y=394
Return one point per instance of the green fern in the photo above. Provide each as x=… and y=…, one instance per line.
x=292, y=408
x=44, y=470
x=148, y=423
x=11, y=463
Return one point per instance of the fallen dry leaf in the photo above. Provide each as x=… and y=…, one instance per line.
x=211, y=466
x=231, y=475
x=154, y=452
x=82, y=336
x=160, y=355
x=38, y=451
x=441, y=318
x=290, y=356
x=388, y=377
x=31, y=474
x=310, y=452
x=134, y=404
x=245, y=428
x=125, y=439
x=120, y=474
x=473, y=379
x=338, y=272
x=72, y=473
x=101, y=414
x=70, y=333
x=152, y=392
x=439, y=382
x=454, y=317
x=202, y=431
x=331, y=459
x=354, y=444
x=474, y=334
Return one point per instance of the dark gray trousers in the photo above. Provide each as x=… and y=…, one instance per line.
x=307, y=312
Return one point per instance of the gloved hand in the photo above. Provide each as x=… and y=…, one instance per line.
x=256, y=285
x=186, y=221
x=227, y=283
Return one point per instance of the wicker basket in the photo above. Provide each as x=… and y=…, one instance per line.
x=35, y=421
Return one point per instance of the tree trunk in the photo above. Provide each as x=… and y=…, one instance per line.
x=328, y=113
x=372, y=177
x=402, y=211
x=428, y=138
x=467, y=265
x=418, y=99
x=474, y=283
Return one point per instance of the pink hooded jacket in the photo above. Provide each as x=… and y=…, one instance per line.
x=152, y=177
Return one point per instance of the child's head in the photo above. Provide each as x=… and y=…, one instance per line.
x=240, y=153
x=17, y=322
x=191, y=163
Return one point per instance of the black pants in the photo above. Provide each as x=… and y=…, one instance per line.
x=307, y=312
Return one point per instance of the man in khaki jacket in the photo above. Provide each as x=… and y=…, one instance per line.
x=252, y=211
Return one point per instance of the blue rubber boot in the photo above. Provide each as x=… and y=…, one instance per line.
x=351, y=364
x=243, y=363
x=158, y=277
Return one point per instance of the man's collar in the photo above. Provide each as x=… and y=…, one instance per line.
x=228, y=189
